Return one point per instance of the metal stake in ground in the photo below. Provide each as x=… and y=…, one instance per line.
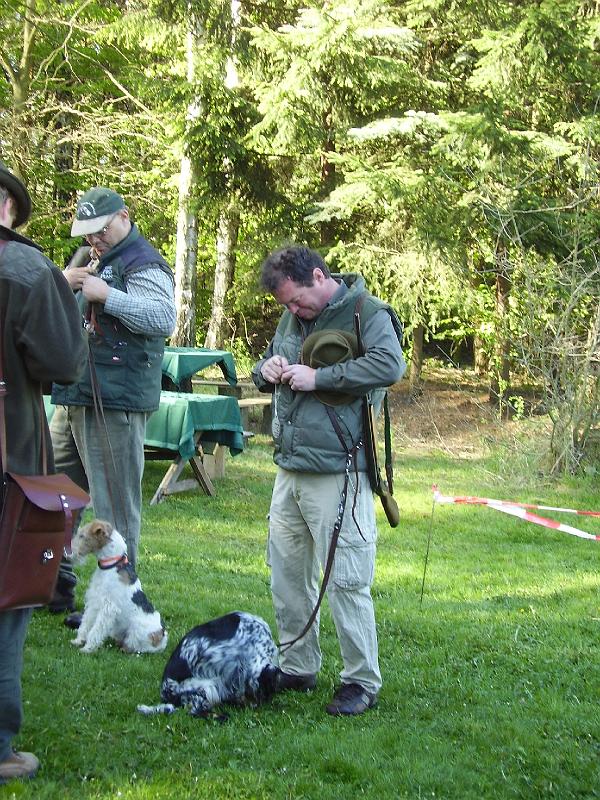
x=427, y=551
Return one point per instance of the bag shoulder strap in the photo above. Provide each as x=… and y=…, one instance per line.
x=3, y=459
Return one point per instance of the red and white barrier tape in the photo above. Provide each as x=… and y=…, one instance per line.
x=521, y=510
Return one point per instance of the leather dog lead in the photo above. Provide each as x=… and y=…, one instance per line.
x=384, y=489
x=101, y=423
x=337, y=526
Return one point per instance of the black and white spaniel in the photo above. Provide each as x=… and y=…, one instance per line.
x=231, y=659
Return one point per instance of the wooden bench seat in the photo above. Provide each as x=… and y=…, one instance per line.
x=236, y=390
x=248, y=402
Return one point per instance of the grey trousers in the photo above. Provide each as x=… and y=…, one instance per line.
x=13, y=630
x=112, y=474
x=301, y=519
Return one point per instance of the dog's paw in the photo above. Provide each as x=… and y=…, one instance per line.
x=89, y=648
x=77, y=642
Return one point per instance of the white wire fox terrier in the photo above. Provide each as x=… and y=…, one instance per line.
x=115, y=605
x=231, y=659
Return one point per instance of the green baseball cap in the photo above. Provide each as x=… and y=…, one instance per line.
x=19, y=193
x=94, y=210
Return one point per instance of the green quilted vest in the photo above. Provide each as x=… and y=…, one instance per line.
x=127, y=365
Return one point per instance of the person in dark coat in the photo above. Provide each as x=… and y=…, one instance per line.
x=42, y=341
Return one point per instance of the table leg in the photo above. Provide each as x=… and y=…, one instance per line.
x=170, y=483
x=202, y=475
x=214, y=462
x=169, y=479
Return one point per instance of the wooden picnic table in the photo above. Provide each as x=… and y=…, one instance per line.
x=194, y=429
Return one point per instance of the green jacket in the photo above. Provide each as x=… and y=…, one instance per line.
x=127, y=364
x=307, y=441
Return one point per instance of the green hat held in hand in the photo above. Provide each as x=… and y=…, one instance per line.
x=325, y=348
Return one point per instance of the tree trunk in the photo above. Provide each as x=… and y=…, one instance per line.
x=416, y=362
x=185, y=260
x=187, y=221
x=228, y=223
x=500, y=375
x=19, y=78
x=227, y=235
x=481, y=361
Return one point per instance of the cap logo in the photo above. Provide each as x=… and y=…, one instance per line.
x=87, y=210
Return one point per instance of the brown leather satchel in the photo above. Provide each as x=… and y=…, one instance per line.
x=36, y=521
x=35, y=525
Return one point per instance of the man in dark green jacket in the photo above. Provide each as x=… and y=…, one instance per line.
x=41, y=336
x=311, y=452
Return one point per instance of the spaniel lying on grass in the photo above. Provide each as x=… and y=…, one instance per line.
x=115, y=605
x=231, y=659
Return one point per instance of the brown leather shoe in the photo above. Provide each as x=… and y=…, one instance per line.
x=18, y=765
x=351, y=699
x=295, y=683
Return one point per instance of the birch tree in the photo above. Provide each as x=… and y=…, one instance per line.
x=228, y=222
x=187, y=214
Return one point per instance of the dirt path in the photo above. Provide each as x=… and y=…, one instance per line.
x=451, y=414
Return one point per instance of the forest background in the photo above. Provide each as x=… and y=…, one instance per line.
x=446, y=149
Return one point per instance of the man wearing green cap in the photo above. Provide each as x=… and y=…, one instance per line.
x=318, y=378
x=41, y=340
x=125, y=291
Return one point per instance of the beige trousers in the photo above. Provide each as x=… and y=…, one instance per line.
x=303, y=512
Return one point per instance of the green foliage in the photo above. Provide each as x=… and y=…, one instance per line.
x=92, y=113
x=434, y=145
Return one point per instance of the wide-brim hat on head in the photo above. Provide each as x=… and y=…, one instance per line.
x=94, y=210
x=18, y=191
x=325, y=348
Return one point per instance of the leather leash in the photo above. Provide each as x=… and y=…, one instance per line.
x=337, y=526
x=101, y=424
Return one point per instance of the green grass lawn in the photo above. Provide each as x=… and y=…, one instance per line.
x=491, y=686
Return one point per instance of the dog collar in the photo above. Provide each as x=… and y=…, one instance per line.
x=113, y=561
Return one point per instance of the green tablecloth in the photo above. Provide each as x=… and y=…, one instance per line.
x=180, y=415
x=180, y=363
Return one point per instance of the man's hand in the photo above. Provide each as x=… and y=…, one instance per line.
x=299, y=377
x=75, y=276
x=95, y=289
x=272, y=368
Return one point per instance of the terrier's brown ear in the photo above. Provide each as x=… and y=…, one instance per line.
x=100, y=531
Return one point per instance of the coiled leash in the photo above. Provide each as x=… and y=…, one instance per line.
x=337, y=526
